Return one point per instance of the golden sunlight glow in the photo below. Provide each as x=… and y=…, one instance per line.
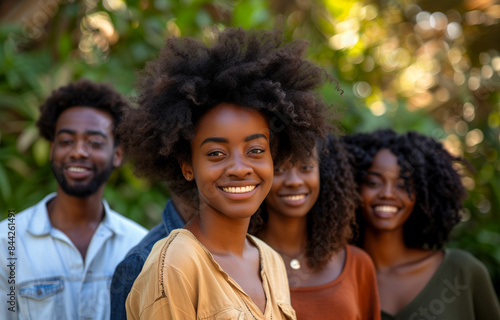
x=469, y=112
x=378, y=108
x=474, y=137
x=117, y=6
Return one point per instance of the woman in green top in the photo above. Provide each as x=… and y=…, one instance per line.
x=411, y=200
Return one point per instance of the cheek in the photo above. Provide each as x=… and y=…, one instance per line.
x=57, y=154
x=366, y=195
x=264, y=168
x=276, y=186
x=266, y=172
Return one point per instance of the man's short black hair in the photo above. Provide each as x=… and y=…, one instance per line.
x=82, y=93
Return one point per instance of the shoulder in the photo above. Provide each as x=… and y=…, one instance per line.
x=21, y=221
x=15, y=218
x=126, y=226
x=180, y=250
x=359, y=257
x=462, y=261
x=143, y=248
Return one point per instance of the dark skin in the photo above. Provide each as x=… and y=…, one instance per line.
x=289, y=239
x=185, y=208
x=294, y=192
x=233, y=169
x=402, y=272
x=83, y=146
x=81, y=223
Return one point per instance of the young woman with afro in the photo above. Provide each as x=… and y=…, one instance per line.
x=213, y=117
x=411, y=198
x=308, y=217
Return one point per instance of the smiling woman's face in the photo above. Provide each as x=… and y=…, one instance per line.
x=386, y=204
x=231, y=160
x=295, y=189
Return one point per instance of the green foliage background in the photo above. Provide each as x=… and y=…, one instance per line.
x=397, y=65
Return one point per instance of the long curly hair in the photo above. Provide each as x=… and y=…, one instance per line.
x=428, y=170
x=84, y=93
x=255, y=69
x=331, y=220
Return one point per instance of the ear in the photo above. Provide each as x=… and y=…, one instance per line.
x=187, y=171
x=117, y=156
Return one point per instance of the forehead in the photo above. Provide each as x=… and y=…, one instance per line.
x=83, y=119
x=385, y=162
x=231, y=121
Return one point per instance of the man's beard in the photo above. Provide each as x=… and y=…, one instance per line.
x=81, y=190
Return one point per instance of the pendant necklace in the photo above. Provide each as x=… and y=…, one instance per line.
x=294, y=262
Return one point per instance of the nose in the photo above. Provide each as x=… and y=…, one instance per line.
x=238, y=166
x=293, y=179
x=387, y=191
x=80, y=150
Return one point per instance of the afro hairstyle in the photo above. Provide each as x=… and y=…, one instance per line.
x=254, y=69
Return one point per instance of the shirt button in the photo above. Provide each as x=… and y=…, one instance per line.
x=39, y=292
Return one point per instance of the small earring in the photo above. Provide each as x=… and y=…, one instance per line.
x=188, y=178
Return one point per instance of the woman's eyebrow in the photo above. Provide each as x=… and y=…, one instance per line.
x=378, y=174
x=214, y=139
x=255, y=136
x=224, y=140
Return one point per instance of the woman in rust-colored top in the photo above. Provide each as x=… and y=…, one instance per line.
x=307, y=217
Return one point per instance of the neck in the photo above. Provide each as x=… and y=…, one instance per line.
x=67, y=211
x=286, y=235
x=220, y=234
x=387, y=249
x=185, y=208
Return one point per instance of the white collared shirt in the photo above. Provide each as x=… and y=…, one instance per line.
x=52, y=281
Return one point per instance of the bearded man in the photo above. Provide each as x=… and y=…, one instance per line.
x=68, y=245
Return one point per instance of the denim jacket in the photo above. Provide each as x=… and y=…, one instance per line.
x=128, y=270
x=51, y=280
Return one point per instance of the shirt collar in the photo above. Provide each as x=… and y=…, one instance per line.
x=40, y=225
x=171, y=218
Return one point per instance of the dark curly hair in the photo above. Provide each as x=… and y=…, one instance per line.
x=80, y=93
x=428, y=170
x=255, y=69
x=330, y=221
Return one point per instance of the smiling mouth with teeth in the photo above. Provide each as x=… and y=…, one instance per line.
x=77, y=169
x=294, y=197
x=386, y=209
x=238, y=189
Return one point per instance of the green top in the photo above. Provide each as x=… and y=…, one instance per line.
x=461, y=288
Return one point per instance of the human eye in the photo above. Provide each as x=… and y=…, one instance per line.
x=64, y=141
x=401, y=185
x=372, y=182
x=96, y=142
x=216, y=153
x=256, y=151
x=278, y=171
x=307, y=168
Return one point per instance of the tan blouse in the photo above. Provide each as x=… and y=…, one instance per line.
x=181, y=280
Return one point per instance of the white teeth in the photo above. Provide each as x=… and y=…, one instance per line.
x=295, y=197
x=386, y=209
x=77, y=169
x=238, y=189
